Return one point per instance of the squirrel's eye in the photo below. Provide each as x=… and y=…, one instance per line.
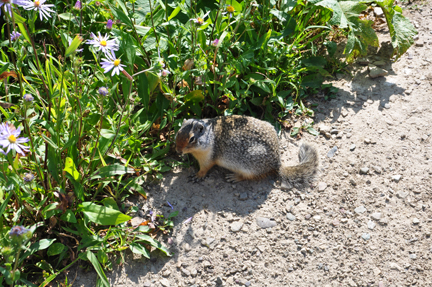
x=192, y=139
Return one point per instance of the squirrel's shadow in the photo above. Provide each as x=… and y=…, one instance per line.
x=200, y=205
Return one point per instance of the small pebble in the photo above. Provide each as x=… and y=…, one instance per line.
x=366, y=236
x=371, y=225
x=376, y=216
x=332, y=152
x=265, y=222
x=359, y=210
x=364, y=170
x=416, y=221
x=352, y=147
x=396, y=178
x=291, y=217
x=322, y=186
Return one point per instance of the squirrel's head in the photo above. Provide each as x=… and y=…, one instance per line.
x=187, y=138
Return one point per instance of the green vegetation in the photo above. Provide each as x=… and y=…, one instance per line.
x=94, y=91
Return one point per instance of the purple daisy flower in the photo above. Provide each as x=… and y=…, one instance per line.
x=9, y=139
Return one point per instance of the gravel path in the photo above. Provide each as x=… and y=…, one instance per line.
x=366, y=222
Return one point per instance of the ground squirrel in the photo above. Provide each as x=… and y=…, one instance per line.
x=244, y=145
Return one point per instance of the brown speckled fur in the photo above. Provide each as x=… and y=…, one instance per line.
x=247, y=146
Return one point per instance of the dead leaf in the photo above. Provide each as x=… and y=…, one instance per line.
x=4, y=75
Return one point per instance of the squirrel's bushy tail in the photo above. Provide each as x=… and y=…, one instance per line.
x=303, y=173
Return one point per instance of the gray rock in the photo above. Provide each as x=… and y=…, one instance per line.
x=383, y=221
x=364, y=170
x=219, y=281
x=371, y=225
x=291, y=216
x=377, y=169
x=247, y=283
x=324, y=129
x=394, y=266
x=386, y=106
x=367, y=141
x=236, y=226
x=378, y=12
x=265, y=222
x=402, y=194
x=194, y=272
x=396, y=178
x=334, y=131
x=185, y=272
x=379, y=63
x=243, y=196
x=165, y=282
x=413, y=256
x=376, y=216
x=363, y=61
x=375, y=72
x=332, y=152
x=366, y=236
x=352, y=147
x=416, y=221
x=322, y=186
x=187, y=247
x=359, y=210
x=147, y=284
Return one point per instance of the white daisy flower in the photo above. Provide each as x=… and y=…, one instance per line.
x=7, y=6
x=112, y=63
x=200, y=20
x=44, y=9
x=9, y=139
x=102, y=42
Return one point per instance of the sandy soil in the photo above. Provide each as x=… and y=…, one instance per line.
x=366, y=222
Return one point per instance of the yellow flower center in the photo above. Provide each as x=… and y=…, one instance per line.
x=37, y=3
x=200, y=20
x=12, y=139
x=103, y=43
x=117, y=62
x=230, y=9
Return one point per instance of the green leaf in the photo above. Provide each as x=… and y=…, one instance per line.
x=68, y=216
x=173, y=214
x=93, y=259
x=312, y=131
x=55, y=249
x=111, y=170
x=194, y=96
x=153, y=243
x=102, y=215
x=66, y=16
x=313, y=81
x=139, y=249
x=110, y=202
x=119, y=14
x=18, y=19
x=37, y=246
x=74, y=45
x=402, y=31
x=174, y=13
x=24, y=31
x=71, y=169
x=5, y=203
x=346, y=15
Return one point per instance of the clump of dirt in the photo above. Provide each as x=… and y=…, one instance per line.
x=366, y=222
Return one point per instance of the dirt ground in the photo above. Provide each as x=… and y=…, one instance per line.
x=367, y=221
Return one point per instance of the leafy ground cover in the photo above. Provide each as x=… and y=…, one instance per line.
x=93, y=92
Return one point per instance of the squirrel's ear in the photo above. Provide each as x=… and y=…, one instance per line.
x=199, y=127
